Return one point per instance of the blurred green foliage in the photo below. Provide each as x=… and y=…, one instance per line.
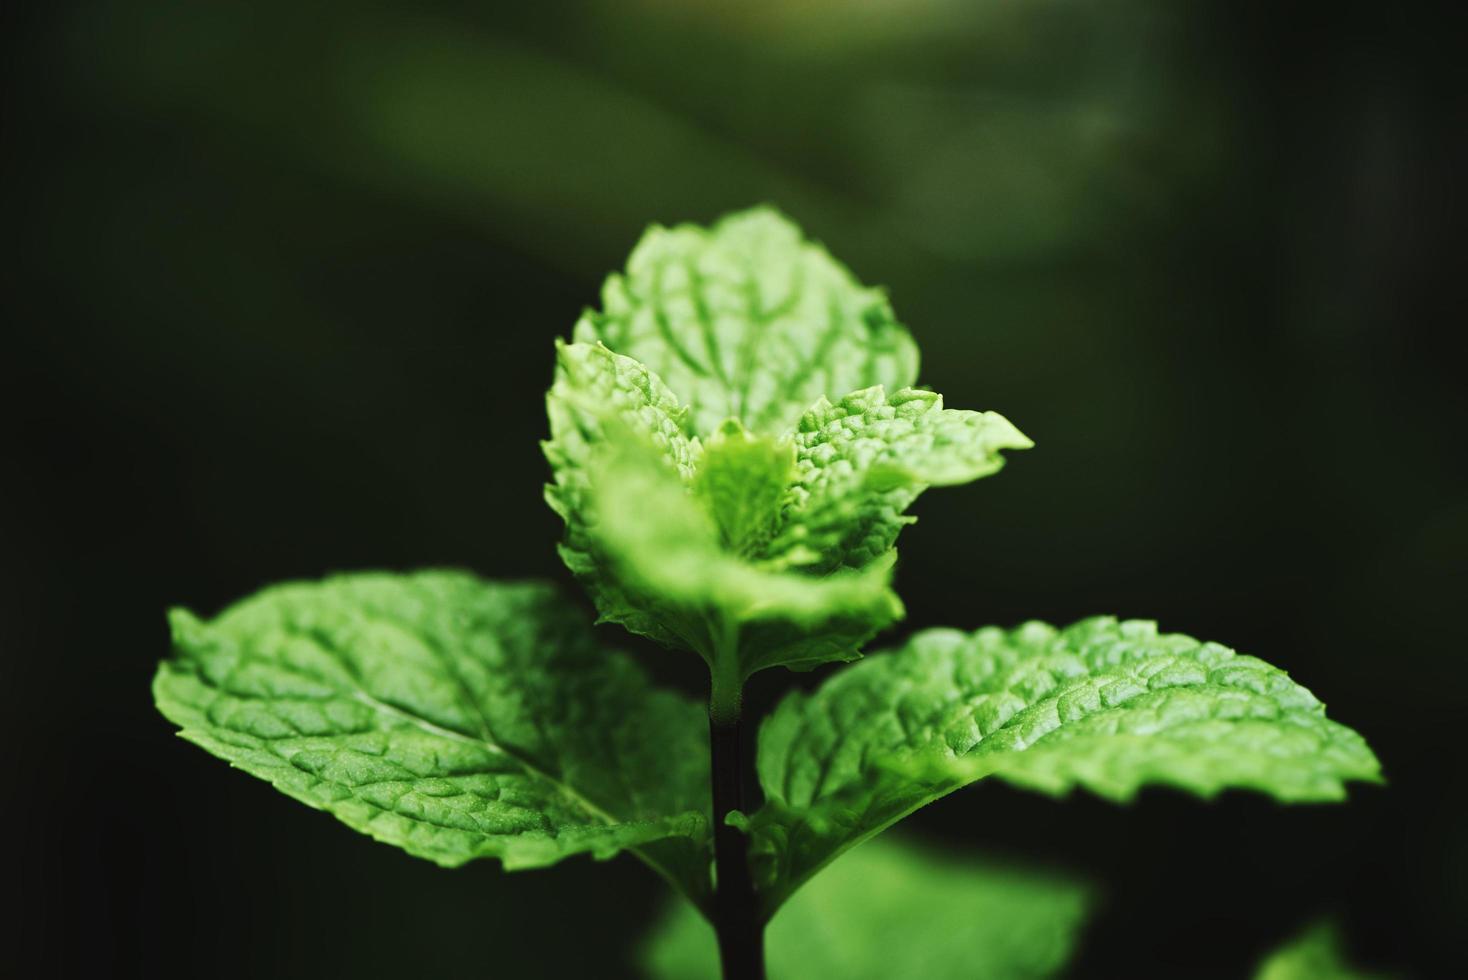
x=1314, y=955
x=893, y=909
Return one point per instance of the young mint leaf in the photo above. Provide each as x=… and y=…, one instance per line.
x=777, y=547
x=864, y=460
x=747, y=320
x=1314, y=955
x=896, y=910
x=596, y=391
x=453, y=717
x=745, y=481
x=660, y=528
x=1108, y=705
x=666, y=547
x=714, y=498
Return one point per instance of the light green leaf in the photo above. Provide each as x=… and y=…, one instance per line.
x=1314, y=955
x=453, y=717
x=666, y=533
x=714, y=499
x=892, y=910
x=781, y=549
x=1108, y=705
x=596, y=391
x=777, y=548
x=667, y=548
x=747, y=320
x=745, y=482
x=864, y=460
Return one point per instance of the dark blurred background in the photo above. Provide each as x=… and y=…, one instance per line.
x=285, y=285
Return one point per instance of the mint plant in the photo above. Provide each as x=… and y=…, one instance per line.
x=735, y=441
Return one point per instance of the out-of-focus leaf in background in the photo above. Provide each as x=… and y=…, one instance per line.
x=1313, y=955
x=894, y=909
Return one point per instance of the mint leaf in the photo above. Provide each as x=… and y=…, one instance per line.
x=865, y=459
x=1108, y=705
x=777, y=548
x=666, y=532
x=745, y=482
x=715, y=500
x=596, y=391
x=662, y=541
x=895, y=910
x=747, y=320
x=452, y=717
x=1314, y=955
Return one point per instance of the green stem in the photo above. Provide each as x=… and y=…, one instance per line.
x=726, y=681
x=736, y=914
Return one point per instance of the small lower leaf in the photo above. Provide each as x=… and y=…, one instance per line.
x=452, y=717
x=1314, y=955
x=890, y=910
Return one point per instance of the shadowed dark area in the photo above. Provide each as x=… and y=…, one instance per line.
x=285, y=283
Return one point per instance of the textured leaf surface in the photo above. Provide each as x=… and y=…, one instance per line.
x=453, y=717
x=714, y=498
x=745, y=482
x=597, y=395
x=779, y=547
x=668, y=549
x=747, y=320
x=862, y=462
x=661, y=530
x=1314, y=955
x=890, y=910
x=1108, y=705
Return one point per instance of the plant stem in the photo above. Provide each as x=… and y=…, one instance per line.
x=737, y=924
x=736, y=917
